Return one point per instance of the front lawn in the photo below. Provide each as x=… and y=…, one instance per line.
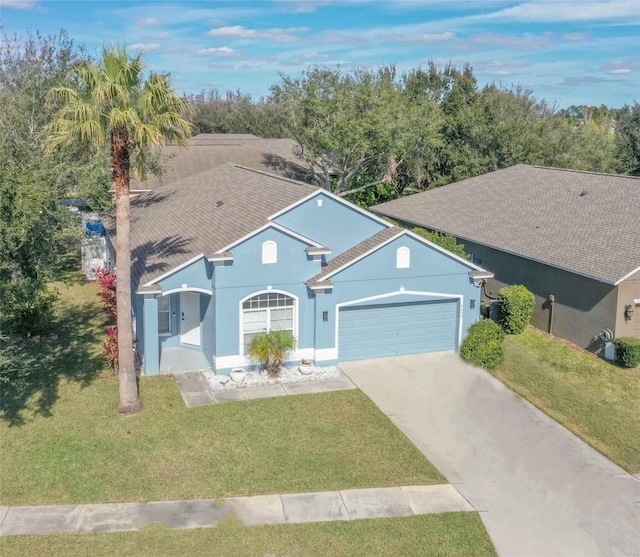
x=596, y=400
x=63, y=441
x=445, y=535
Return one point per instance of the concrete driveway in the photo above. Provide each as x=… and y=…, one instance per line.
x=540, y=490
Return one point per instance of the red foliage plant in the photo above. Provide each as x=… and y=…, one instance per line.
x=110, y=348
x=107, y=281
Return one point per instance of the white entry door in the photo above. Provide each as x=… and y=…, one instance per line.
x=190, y=313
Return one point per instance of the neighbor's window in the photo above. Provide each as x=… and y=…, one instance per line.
x=164, y=315
x=269, y=252
x=266, y=312
x=403, y=258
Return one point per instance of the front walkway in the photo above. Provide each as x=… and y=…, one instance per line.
x=540, y=490
x=350, y=504
x=195, y=390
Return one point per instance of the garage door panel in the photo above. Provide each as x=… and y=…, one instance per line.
x=393, y=329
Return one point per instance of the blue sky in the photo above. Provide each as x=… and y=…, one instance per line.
x=568, y=52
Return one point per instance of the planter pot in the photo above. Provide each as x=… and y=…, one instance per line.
x=238, y=375
x=305, y=369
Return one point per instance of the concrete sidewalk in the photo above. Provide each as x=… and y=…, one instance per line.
x=351, y=504
x=196, y=392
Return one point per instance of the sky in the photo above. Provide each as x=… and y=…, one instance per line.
x=566, y=52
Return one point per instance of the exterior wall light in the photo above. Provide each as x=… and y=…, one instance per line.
x=325, y=316
x=628, y=312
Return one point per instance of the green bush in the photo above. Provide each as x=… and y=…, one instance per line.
x=515, y=308
x=627, y=351
x=26, y=307
x=446, y=241
x=483, y=345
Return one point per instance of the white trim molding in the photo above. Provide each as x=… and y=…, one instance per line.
x=174, y=270
x=402, y=292
x=277, y=227
x=238, y=360
x=335, y=198
x=324, y=354
x=187, y=289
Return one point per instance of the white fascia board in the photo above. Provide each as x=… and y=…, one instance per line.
x=215, y=259
x=174, y=270
x=362, y=256
x=275, y=226
x=626, y=276
x=335, y=197
x=321, y=286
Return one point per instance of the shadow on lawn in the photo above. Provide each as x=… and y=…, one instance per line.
x=37, y=365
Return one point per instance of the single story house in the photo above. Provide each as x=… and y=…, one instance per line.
x=571, y=237
x=224, y=254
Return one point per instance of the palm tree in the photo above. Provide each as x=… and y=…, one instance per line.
x=116, y=103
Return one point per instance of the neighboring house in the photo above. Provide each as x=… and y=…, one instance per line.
x=224, y=254
x=571, y=237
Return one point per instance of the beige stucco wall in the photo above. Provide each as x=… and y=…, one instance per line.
x=583, y=307
x=628, y=291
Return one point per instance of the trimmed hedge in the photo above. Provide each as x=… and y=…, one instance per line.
x=483, y=345
x=515, y=308
x=627, y=351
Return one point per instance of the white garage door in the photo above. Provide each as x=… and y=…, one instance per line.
x=377, y=331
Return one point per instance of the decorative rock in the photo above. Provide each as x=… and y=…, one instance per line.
x=258, y=378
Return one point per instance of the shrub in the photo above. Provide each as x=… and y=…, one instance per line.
x=627, y=351
x=446, y=241
x=26, y=307
x=515, y=308
x=270, y=349
x=483, y=345
x=107, y=281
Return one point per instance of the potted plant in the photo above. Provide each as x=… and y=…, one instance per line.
x=305, y=367
x=271, y=348
x=238, y=375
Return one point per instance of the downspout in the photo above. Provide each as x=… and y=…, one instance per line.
x=552, y=303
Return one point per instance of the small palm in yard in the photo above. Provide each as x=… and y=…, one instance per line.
x=117, y=104
x=271, y=348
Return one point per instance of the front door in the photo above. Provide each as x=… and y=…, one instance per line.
x=190, y=310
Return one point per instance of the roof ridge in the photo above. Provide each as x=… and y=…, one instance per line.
x=283, y=178
x=609, y=174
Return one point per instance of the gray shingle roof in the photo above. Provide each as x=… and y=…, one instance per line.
x=584, y=222
x=355, y=252
x=203, y=214
x=276, y=156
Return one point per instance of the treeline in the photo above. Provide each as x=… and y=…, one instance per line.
x=385, y=134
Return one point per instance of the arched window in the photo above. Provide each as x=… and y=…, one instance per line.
x=267, y=312
x=403, y=258
x=269, y=252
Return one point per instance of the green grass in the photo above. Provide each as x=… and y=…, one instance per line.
x=446, y=535
x=77, y=449
x=596, y=400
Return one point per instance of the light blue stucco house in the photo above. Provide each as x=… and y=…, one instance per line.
x=232, y=251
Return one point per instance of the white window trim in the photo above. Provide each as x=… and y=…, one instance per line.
x=253, y=294
x=403, y=258
x=269, y=252
x=170, y=332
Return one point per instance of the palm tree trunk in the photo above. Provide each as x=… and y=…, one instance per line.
x=130, y=402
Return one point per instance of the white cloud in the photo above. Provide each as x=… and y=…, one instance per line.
x=148, y=21
x=278, y=35
x=158, y=36
x=147, y=47
x=420, y=38
x=18, y=4
x=618, y=67
x=554, y=11
x=222, y=52
x=621, y=71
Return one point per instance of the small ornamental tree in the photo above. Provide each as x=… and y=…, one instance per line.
x=270, y=349
x=515, y=308
x=627, y=351
x=483, y=345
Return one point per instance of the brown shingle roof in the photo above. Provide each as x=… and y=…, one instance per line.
x=355, y=252
x=203, y=214
x=584, y=222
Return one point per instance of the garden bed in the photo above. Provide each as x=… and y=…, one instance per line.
x=259, y=378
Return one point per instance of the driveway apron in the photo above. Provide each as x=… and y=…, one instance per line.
x=540, y=490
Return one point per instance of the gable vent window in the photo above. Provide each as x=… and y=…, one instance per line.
x=269, y=252
x=403, y=258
